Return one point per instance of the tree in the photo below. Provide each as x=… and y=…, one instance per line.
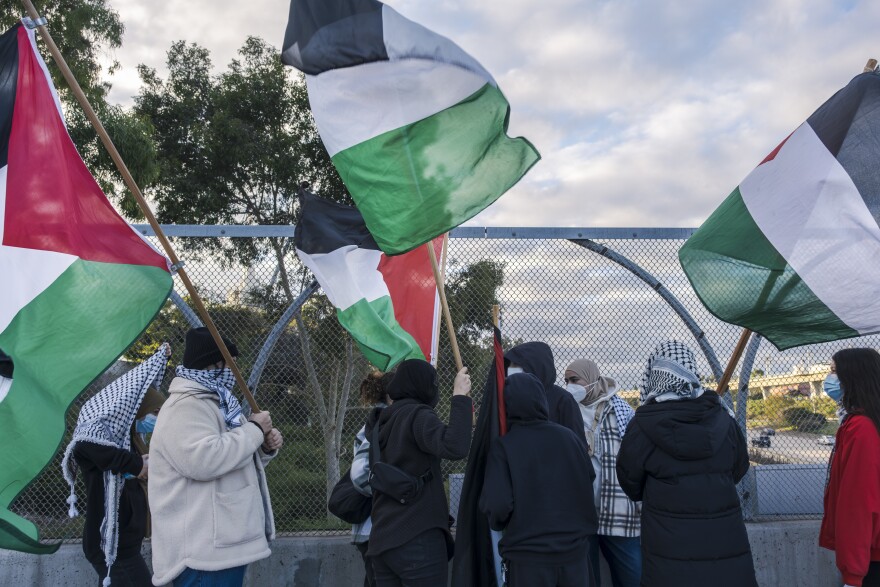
x=84, y=30
x=234, y=148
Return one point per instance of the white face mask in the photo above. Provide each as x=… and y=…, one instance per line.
x=514, y=371
x=578, y=392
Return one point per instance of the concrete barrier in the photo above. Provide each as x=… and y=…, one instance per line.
x=785, y=553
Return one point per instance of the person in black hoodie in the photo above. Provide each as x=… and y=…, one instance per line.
x=682, y=456
x=410, y=543
x=537, y=358
x=539, y=489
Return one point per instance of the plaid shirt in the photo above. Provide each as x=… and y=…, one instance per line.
x=618, y=515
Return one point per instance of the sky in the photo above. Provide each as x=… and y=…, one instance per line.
x=646, y=113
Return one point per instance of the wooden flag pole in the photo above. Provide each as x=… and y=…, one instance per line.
x=870, y=66
x=441, y=290
x=142, y=203
x=496, y=313
x=737, y=353
x=442, y=280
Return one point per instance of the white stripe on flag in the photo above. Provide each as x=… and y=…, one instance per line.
x=3, y=171
x=807, y=206
x=407, y=39
x=355, y=104
x=39, y=270
x=347, y=275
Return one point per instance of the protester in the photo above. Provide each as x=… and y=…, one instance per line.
x=682, y=456
x=851, y=524
x=211, y=510
x=831, y=387
x=374, y=393
x=108, y=447
x=538, y=490
x=410, y=543
x=606, y=417
x=537, y=358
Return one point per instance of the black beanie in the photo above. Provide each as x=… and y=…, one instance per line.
x=6, y=366
x=201, y=350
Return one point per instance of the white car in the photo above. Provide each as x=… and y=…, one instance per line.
x=826, y=440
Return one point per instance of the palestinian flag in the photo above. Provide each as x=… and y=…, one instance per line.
x=389, y=305
x=792, y=253
x=79, y=285
x=414, y=125
x=477, y=562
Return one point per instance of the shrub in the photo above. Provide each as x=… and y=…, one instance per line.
x=804, y=420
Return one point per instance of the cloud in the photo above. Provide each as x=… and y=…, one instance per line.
x=645, y=113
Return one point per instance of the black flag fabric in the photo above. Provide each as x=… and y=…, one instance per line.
x=474, y=562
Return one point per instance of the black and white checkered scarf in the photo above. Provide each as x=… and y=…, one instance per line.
x=671, y=374
x=106, y=419
x=220, y=381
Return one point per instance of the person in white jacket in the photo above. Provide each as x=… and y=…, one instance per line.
x=211, y=512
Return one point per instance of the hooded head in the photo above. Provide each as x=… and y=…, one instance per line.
x=535, y=358
x=201, y=351
x=671, y=374
x=524, y=399
x=152, y=401
x=415, y=379
x=585, y=373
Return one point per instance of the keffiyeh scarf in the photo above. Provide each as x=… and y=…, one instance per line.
x=106, y=419
x=220, y=381
x=671, y=374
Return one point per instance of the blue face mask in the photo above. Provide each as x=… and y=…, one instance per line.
x=832, y=387
x=146, y=425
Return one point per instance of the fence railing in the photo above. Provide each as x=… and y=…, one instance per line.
x=608, y=294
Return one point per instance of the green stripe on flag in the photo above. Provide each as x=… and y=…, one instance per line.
x=379, y=336
x=61, y=341
x=419, y=181
x=741, y=278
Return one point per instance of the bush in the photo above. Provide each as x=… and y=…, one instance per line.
x=804, y=420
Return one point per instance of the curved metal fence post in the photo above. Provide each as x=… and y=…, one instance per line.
x=748, y=487
x=275, y=334
x=664, y=293
x=185, y=309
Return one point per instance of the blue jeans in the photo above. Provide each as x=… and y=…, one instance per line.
x=624, y=557
x=233, y=577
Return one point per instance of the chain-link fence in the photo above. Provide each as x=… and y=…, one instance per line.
x=609, y=295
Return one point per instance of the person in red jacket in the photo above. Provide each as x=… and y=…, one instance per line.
x=851, y=524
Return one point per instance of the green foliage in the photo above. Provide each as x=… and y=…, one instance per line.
x=804, y=420
x=87, y=31
x=233, y=147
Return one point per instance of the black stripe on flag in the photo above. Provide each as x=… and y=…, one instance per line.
x=325, y=226
x=848, y=124
x=8, y=84
x=329, y=34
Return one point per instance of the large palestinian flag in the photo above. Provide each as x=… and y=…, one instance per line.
x=793, y=252
x=389, y=305
x=79, y=285
x=415, y=126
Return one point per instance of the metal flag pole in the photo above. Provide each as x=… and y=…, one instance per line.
x=177, y=265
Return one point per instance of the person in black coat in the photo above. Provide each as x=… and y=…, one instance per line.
x=539, y=489
x=410, y=543
x=682, y=456
x=537, y=358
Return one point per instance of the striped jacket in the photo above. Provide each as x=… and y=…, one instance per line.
x=618, y=515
